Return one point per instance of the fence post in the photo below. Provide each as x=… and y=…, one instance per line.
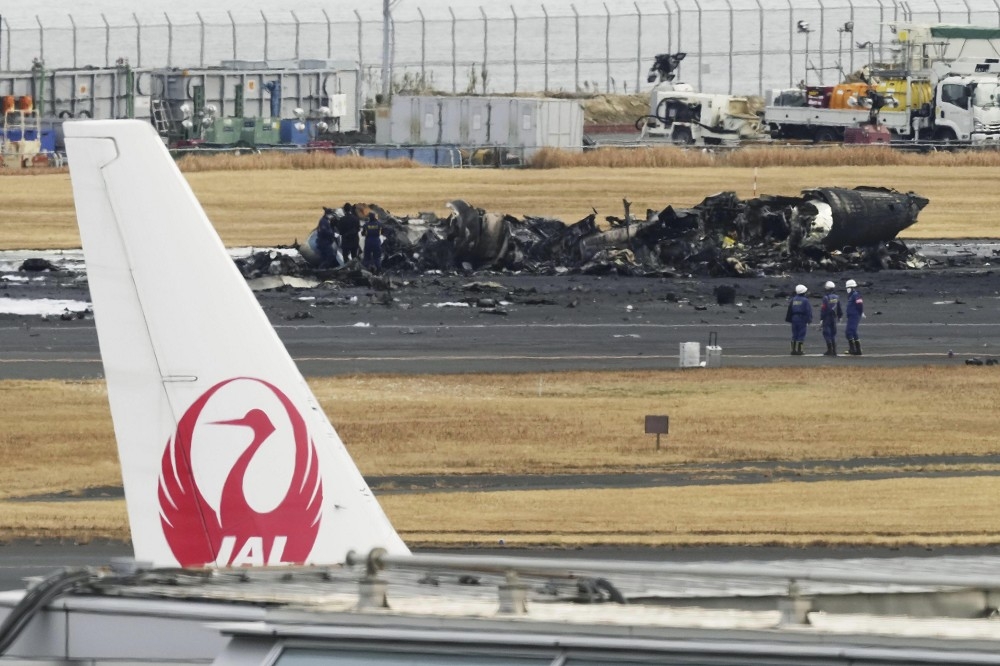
x=576, y=59
x=995, y=2
x=514, y=13
x=73, y=24
x=938, y=6
x=107, y=41
x=423, y=48
x=545, y=70
x=680, y=30
x=822, y=33
x=361, y=67
x=791, y=45
x=881, y=23
x=666, y=5
x=138, y=40
x=329, y=35
x=267, y=36
x=638, y=46
x=760, y=49
x=4, y=21
x=486, y=42
x=701, y=47
x=851, y=40
x=297, y=32
x=201, y=39
x=454, y=56
x=232, y=22
x=41, y=39
x=170, y=40
x=607, y=49
x=968, y=11
x=731, y=42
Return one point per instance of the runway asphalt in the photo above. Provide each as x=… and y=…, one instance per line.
x=21, y=560
x=561, y=323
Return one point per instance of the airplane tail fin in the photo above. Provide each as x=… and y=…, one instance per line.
x=227, y=458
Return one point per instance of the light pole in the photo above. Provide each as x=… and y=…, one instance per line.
x=849, y=29
x=803, y=28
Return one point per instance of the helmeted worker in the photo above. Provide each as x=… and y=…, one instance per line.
x=855, y=313
x=326, y=240
x=830, y=313
x=373, y=243
x=349, y=227
x=800, y=314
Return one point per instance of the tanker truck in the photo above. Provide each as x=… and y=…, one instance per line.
x=950, y=103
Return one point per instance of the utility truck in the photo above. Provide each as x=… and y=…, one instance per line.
x=679, y=114
x=954, y=102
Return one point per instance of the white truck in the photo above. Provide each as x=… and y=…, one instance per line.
x=951, y=103
x=680, y=115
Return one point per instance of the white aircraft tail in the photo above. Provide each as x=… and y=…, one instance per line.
x=226, y=456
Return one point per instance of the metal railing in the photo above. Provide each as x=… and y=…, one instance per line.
x=733, y=46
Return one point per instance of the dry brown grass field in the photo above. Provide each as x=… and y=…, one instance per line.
x=258, y=206
x=57, y=437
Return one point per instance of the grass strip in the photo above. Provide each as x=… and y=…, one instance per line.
x=276, y=206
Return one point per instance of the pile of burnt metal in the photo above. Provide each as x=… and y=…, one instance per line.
x=828, y=229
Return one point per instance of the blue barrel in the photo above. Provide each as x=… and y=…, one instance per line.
x=48, y=140
x=290, y=134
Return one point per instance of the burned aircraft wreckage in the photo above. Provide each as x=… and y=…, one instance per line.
x=825, y=229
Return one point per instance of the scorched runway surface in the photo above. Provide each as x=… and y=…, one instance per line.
x=508, y=323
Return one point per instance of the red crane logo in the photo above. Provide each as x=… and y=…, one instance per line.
x=234, y=533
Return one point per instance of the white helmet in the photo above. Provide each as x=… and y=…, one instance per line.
x=850, y=284
x=829, y=285
x=800, y=289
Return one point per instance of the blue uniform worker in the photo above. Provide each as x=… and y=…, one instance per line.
x=349, y=227
x=800, y=315
x=855, y=313
x=830, y=313
x=373, y=243
x=325, y=238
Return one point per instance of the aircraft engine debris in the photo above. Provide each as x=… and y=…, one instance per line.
x=827, y=228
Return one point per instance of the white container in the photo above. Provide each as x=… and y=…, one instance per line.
x=713, y=356
x=524, y=123
x=690, y=354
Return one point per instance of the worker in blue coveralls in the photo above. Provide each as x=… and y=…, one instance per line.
x=349, y=227
x=372, y=232
x=855, y=313
x=800, y=315
x=830, y=313
x=325, y=237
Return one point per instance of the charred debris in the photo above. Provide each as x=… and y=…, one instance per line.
x=825, y=229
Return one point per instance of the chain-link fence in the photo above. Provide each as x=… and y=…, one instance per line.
x=733, y=46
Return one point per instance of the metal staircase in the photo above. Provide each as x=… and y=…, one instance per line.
x=160, y=117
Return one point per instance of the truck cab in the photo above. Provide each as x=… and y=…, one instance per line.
x=967, y=109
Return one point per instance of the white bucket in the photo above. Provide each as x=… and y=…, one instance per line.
x=713, y=356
